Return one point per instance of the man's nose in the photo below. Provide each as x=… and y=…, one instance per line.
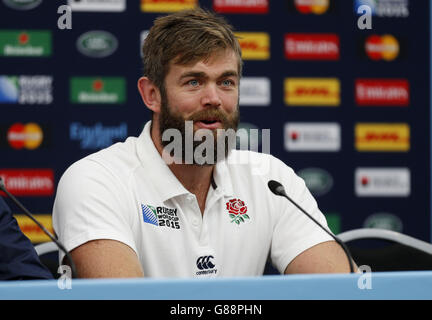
x=211, y=96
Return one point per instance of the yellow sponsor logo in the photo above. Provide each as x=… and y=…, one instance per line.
x=312, y=92
x=31, y=229
x=254, y=45
x=167, y=5
x=382, y=137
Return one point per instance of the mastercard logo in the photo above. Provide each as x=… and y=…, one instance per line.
x=28, y=136
x=312, y=6
x=385, y=47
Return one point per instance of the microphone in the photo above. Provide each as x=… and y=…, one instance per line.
x=279, y=190
x=28, y=214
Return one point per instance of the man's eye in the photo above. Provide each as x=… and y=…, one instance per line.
x=227, y=83
x=193, y=83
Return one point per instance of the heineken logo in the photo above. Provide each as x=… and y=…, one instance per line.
x=22, y=4
x=160, y=216
x=96, y=90
x=15, y=43
x=97, y=44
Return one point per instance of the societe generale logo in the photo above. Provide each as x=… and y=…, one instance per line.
x=382, y=92
x=384, y=137
x=28, y=182
x=320, y=137
x=255, y=91
x=312, y=46
x=241, y=6
x=382, y=182
x=312, y=92
x=254, y=45
x=98, y=5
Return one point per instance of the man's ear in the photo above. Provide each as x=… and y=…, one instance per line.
x=150, y=94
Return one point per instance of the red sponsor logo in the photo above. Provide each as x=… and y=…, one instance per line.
x=241, y=6
x=382, y=92
x=28, y=182
x=312, y=46
x=385, y=47
x=312, y=6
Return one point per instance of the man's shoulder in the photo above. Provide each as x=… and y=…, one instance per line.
x=256, y=163
x=119, y=158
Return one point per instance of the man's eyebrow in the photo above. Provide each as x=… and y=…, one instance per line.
x=193, y=74
x=230, y=73
x=198, y=74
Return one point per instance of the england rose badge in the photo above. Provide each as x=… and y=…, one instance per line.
x=237, y=210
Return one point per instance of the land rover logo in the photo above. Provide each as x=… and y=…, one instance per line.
x=97, y=44
x=317, y=180
x=384, y=220
x=22, y=4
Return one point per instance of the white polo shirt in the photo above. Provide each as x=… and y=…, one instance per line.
x=127, y=193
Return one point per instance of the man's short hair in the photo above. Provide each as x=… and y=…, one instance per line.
x=186, y=37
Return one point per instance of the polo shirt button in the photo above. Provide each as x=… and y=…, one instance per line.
x=195, y=222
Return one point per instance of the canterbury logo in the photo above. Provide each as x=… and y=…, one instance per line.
x=204, y=263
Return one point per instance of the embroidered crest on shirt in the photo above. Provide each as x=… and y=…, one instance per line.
x=160, y=216
x=237, y=211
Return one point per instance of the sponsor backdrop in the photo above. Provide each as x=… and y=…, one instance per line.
x=348, y=107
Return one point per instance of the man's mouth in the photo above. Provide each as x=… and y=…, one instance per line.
x=209, y=123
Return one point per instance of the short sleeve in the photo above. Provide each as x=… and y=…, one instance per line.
x=91, y=204
x=294, y=232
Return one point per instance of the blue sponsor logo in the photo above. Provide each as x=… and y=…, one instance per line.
x=9, y=92
x=97, y=136
x=384, y=8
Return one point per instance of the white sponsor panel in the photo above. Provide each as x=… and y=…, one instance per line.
x=255, y=91
x=301, y=136
x=382, y=182
x=98, y=5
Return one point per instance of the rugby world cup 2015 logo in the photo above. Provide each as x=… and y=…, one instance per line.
x=237, y=211
x=161, y=216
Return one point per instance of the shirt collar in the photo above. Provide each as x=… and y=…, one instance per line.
x=162, y=178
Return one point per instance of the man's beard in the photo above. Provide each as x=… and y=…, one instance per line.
x=223, y=141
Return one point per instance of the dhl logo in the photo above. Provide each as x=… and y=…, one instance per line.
x=312, y=92
x=31, y=230
x=254, y=45
x=167, y=5
x=382, y=137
